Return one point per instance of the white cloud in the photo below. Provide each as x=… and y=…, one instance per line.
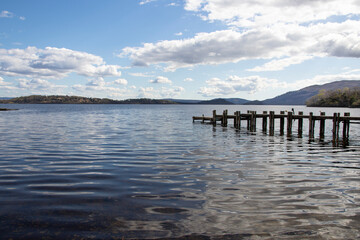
x=193, y=5
x=280, y=41
x=99, y=85
x=121, y=81
x=161, y=79
x=53, y=63
x=171, y=92
x=39, y=85
x=351, y=71
x=96, y=82
x=146, y=1
x=146, y=92
x=323, y=79
x=141, y=75
x=252, y=13
x=92, y=87
x=164, y=92
x=6, y=14
x=188, y=80
x=236, y=84
x=276, y=65
x=179, y=34
x=6, y=85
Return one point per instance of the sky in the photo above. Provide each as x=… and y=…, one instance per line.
x=183, y=49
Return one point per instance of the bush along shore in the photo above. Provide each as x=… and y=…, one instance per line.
x=345, y=97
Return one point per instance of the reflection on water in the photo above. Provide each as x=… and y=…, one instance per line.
x=110, y=171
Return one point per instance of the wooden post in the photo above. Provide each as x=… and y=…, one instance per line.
x=311, y=125
x=248, y=121
x=335, y=131
x=225, y=118
x=239, y=120
x=282, y=123
x=338, y=125
x=214, y=118
x=346, y=127
x=322, y=125
x=253, y=121
x=235, y=119
x=264, y=122
x=300, y=124
x=289, y=124
x=271, y=123
x=334, y=127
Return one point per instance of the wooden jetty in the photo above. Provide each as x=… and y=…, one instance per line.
x=268, y=120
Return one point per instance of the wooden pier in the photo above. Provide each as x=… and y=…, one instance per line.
x=268, y=120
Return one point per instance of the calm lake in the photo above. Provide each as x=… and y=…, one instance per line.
x=149, y=172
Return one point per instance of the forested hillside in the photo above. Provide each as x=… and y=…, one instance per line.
x=345, y=97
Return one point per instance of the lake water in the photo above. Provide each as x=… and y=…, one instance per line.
x=149, y=172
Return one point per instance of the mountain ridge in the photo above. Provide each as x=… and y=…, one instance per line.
x=298, y=97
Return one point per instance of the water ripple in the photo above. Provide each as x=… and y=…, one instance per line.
x=113, y=171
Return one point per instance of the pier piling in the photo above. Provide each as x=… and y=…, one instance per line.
x=346, y=128
x=289, y=123
x=322, y=126
x=272, y=123
x=269, y=119
x=282, y=122
x=264, y=121
x=300, y=124
x=311, y=125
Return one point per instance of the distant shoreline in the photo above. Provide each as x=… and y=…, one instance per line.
x=58, y=99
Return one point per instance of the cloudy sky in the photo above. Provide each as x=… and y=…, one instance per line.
x=188, y=49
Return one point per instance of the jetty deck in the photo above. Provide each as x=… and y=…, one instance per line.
x=268, y=122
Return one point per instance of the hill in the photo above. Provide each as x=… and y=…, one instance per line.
x=299, y=97
x=217, y=101
x=183, y=101
x=290, y=98
x=237, y=101
x=225, y=101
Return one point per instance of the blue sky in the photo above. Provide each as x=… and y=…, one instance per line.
x=188, y=49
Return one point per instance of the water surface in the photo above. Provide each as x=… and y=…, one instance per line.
x=148, y=172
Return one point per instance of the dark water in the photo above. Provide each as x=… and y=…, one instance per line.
x=146, y=171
